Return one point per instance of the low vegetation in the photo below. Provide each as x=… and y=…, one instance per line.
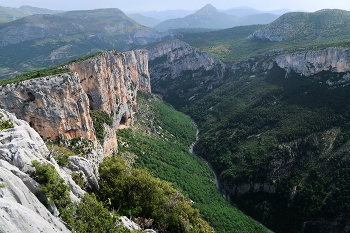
x=246, y=126
x=88, y=215
x=99, y=118
x=163, y=148
x=36, y=74
x=135, y=192
x=60, y=69
x=231, y=45
x=5, y=124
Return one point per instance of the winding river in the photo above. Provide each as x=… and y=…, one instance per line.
x=216, y=178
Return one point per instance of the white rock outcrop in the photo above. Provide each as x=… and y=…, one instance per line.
x=20, y=208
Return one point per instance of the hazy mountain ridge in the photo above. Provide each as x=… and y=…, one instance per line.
x=144, y=20
x=210, y=17
x=245, y=11
x=46, y=40
x=12, y=13
x=318, y=26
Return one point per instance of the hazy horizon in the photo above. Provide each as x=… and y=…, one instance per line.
x=157, y=5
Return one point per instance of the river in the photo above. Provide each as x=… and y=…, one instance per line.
x=216, y=178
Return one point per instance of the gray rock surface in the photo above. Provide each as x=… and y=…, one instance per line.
x=312, y=62
x=20, y=209
x=60, y=104
x=174, y=63
x=129, y=224
x=89, y=170
x=19, y=146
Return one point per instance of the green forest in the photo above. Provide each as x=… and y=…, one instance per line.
x=247, y=127
x=162, y=146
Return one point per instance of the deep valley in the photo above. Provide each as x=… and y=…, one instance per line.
x=100, y=130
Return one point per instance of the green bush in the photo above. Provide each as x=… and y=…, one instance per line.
x=53, y=186
x=5, y=124
x=88, y=215
x=136, y=192
x=91, y=216
x=99, y=117
x=79, y=179
x=80, y=146
x=60, y=153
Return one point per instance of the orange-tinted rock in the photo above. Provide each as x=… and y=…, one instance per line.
x=59, y=105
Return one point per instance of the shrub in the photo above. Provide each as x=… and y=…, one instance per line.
x=136, y=192
x=79, y=179
x=88, y=215
x=91, y=216
x=60, y=153
x=100, y=117
x=53, y=186
x=5, y=124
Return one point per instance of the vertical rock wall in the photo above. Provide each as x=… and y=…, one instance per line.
x=60, y=104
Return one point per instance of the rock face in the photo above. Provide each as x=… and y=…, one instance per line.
x=20, y=209
x=310, y=63
x=52, y=105
x=176, y=65
x=60, y=104
x=89, y=170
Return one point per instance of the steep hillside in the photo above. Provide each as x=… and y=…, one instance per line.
x=245, y=11
x=278, y=135
x=144, y=20
x=181, y=71
x=210, y=17
x=12, y=13
x=318, y=26
x=74, y=109
x=159, y=141
x=47, y=40
x=231, y=46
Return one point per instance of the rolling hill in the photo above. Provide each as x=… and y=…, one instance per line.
x=318, y=26
x=144, y=20
x=40, y=41
x=245, y=11
x=12, y=13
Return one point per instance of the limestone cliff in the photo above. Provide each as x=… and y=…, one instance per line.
x=21, y=201
x=59, y=105
x=177, y=68
x=20, y=208
x=309, y=63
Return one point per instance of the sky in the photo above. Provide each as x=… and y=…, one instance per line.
x=159, y=5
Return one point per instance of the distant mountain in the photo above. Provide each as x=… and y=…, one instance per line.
x=144, y=20
x=165, y=15
x=40, y=41
x=12, y=13
x=245, y=11
x=315, y=26
x=210, y=17
x=4, y=20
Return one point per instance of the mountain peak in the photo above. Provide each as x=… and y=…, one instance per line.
x=207, y=9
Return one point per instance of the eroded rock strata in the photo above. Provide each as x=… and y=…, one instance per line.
x=60, y=104
x=177, y=68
